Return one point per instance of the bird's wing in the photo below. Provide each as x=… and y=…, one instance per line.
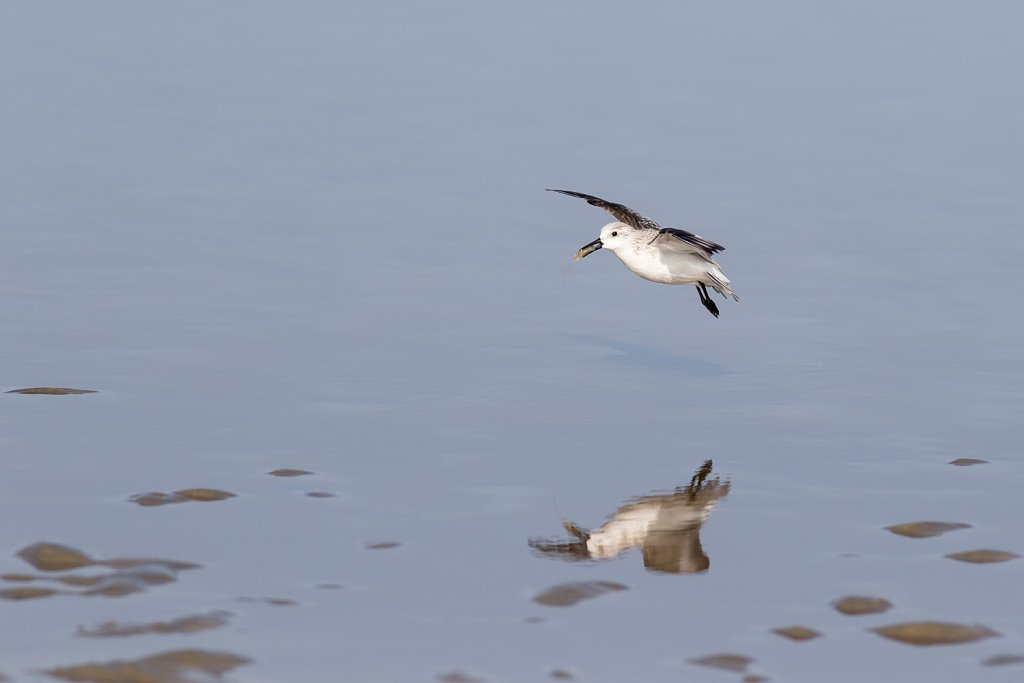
x=623, y=213
x=683, y=240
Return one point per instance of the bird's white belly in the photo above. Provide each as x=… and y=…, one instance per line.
x=670, y=268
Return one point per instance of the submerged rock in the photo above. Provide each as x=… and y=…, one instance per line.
x=201, y=495
x=288, y=472
x=925, y=529
x=797, y=633
x=53, y=557
x=190, y=624
x=1003, y=660
x=727, y=661
x=52, y=391
x=177, y=666
x=856, y=605
x=934, y=633
x=568, y=594
x=983, y=556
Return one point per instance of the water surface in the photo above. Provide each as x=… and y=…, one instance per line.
x=316, y=238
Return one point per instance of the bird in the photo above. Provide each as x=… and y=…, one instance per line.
x=670, y=256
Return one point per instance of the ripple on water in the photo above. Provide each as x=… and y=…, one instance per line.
x=169, y=667
x=926, y=529
x=856, y=605
x=934, y=633
x=568, y=594
x=983, y=556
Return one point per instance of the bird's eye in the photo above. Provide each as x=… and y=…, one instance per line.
x=615, y=233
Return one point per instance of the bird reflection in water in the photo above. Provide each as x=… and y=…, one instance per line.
x=666, y=527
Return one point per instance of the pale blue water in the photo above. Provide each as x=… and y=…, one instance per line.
x=316, y=236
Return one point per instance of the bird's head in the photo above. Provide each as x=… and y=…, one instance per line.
x=614, y=236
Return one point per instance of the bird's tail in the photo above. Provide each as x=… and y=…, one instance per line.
x=720, y=283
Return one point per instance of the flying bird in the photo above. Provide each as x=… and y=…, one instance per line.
x=671, y=256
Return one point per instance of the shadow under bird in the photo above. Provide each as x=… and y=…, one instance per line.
x=671, y=256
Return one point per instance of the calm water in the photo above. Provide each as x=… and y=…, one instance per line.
x=316, y=237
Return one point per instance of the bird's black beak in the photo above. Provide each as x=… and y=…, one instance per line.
x=588, y=249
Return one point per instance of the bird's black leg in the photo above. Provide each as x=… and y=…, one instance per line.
x=705, y=299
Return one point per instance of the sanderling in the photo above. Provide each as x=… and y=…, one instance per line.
x=671, y=256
